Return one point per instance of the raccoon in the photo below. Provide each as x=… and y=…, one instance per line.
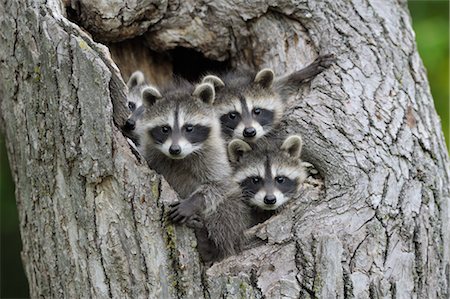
x=136, y=84
x=269, y=173
x=180, y=137
x=251, y=105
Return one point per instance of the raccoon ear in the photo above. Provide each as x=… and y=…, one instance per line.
x=293, y=146
x=205, y=92
x=214, y=80
x=265, y=78
x=136, y=78
x=236, y=149
x=150, y=95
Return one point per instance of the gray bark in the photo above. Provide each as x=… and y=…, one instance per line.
x=92, y=214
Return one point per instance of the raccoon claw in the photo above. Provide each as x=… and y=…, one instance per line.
x=310, y=168
x=180, y=212
x=172, y=205
x=174, y=213
x=325, y=61
x=195, y=222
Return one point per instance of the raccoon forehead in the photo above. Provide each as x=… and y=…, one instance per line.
x=183, y=118
x=163, y=120
x=134, y=97
x=268, y=102
x=232, y=104
x=290, y=171
x=250, y=171
x=196, y=118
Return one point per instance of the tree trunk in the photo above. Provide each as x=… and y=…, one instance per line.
x=92, y=214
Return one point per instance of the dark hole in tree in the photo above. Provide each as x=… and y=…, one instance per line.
x=192, y=65
x=134, y=54
x=160, y=67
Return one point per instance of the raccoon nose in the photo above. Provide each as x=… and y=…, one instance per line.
x=270, y=199
x=174, y=149
x=130, y=124
x=249, y=132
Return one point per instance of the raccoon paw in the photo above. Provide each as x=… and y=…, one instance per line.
x=195, y=222
x=311, y=169
x=324, y=61
x=180, y=212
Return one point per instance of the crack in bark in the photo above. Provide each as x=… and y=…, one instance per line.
x=139, y=242
x=348, y=285
x=351, y=263
x=97, y=240
x=299, y=265
x=254, y=282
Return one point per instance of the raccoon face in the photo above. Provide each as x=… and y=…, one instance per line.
x=251, y=116
x=180, y=124
x=133, y=121
x=269, y=176
x=250, y=112
x=135, y=85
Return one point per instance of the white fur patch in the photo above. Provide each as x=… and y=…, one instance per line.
x=254, y=170
x=160, y=121
x=281, y=199
x=269, y=103
x=239, y=131
x=136, y=100
x=259, y=130
x=186, y=118
x=258, y=200
x=293, y=173
x=224, y=108
x=187, y=148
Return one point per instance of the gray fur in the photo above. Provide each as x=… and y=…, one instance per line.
x=135, y=84
x=259, y=90
x=265, y=78
x=214, y=80
x=292, y=145
x=205, y=92
x=236, y=149
x=137, y=78
x=202, y=178
x=289, y=84
x=283, y=152
x=150, y=95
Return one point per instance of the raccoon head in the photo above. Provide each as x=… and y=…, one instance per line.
x=269, y=175
x=249, y=110
x=133, y=118
x=135, y=85
x=180, y=122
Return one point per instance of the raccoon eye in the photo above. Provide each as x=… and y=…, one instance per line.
x=165, y=129
x=189, y=128
x=255, y=180
x=280, y=179
x=232, y=115
x=131, y=106
x=256, y=111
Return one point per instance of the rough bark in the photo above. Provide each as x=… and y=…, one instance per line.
x=92, y=214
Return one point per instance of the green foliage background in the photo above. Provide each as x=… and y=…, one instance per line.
x=431, y=24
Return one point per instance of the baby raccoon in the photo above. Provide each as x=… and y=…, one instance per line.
x=251, y=105
x=136, y=84
x=180, y=138
x=269, y=174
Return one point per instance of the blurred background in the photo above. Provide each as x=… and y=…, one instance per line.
x=431, y=24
